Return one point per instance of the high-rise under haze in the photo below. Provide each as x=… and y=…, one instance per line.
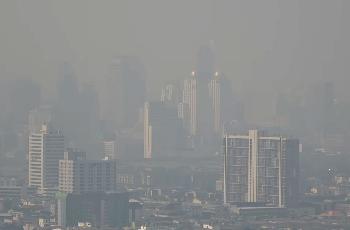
x=163, y=130
x=190, y=101
x=204, y=73
x=216, y=101
x=46, y=149
x=206, y=94
x=261, y=169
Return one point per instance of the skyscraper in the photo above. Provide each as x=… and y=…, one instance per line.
x=203, y=98
x=205, y=72
x=46, y=148
x=190, y=100
x=215, y=96
x=261, y=169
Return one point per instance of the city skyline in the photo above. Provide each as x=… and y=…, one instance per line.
x=251, y=56
x=186, y=115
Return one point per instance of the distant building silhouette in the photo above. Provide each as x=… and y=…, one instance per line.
x=124, y=92
x=163, y=130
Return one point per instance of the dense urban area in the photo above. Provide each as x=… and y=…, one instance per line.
x=195, y=153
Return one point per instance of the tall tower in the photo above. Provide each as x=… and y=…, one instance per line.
x=147, y=133
x=163, y=131
x=190, y=99
x=46, y=149
x=215, y=96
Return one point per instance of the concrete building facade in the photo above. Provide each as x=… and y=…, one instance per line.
x=78, y=175
x=46, y=149
x=261, y=169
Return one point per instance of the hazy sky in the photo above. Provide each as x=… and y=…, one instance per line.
x=263, y=46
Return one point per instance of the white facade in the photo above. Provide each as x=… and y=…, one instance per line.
x=190, y=98
x=215, y=96
x=46, y=148
x=257, y=169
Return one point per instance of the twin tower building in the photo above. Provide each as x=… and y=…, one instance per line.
x=188, y=121
x=190, y=115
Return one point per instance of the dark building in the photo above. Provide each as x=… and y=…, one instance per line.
x=292, y=172
x=163, y=130
x=205, y=71
x=98, y=209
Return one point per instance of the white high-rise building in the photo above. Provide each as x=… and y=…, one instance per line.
x=46, y=149
x=190, y=98
x=205, y=118
x=215, y=96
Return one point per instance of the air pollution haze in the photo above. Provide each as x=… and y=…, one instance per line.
x=265, y=47
x=206, y=109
